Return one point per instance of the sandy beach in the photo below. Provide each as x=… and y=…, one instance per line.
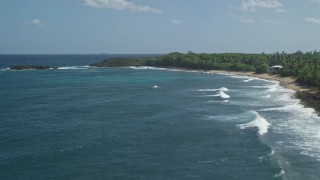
x=286, y=82
x=309, y=96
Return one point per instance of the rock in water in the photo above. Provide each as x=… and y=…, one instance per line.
x=30, y=67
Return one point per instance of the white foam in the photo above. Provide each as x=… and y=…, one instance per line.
x=261, y=123
x=145, y=67
x=208, y=90
x=282, y=172
x=300, y=125
x=249, y=80
x=266, y=97
x=270, y=88
x=303, y=126
x=296, y=107
x=213, y=95
x=224, y=95
x=224, y=101
x=224, y=89
x=243, y=117
x=220, y=94
x=155, y=86
x=213, y=90
x=163, y=69
x=272, y=153
x=73, y=67
x=240, y=77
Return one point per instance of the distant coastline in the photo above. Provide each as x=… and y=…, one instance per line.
x=237, y=64
x=299, y=73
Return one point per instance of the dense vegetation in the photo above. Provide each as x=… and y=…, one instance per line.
x=304, y=66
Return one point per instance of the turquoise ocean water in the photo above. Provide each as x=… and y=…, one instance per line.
x=78, y=122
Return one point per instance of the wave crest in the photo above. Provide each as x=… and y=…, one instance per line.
x=261, y=123
x=213, y=90
x=73, y=67
x=220, y=94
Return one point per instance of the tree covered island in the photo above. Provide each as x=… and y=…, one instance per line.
x=305, y=67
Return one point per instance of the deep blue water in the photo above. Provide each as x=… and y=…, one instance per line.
x=78, y=122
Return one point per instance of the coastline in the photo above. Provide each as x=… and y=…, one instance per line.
x=308, y=96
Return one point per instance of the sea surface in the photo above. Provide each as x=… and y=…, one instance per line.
x=79, y=122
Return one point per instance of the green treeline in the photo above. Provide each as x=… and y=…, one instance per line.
x=304, y=66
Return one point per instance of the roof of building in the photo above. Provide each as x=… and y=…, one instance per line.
x=277, y=66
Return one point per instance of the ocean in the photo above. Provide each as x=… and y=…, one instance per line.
x=80, y=122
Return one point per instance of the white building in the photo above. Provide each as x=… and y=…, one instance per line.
x=275, y=69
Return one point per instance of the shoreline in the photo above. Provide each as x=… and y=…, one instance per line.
x=308, y=96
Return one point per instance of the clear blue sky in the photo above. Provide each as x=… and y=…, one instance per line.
x=158, y=26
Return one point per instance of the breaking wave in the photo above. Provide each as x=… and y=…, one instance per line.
x=213, y=90
x=221, y=94
x=269, y=88
x=261, y=123
x=250, y=79
x=145, y=67
x=73, y=67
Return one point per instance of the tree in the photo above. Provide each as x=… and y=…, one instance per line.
x=262, y=68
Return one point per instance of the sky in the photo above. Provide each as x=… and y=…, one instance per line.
x=158, y=26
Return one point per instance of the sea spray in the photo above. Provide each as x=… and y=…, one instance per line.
x=221, y=92
x=261, y=123
x=224, y=95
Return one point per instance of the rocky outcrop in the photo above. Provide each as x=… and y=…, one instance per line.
x=311, y=99
x=30, y=67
